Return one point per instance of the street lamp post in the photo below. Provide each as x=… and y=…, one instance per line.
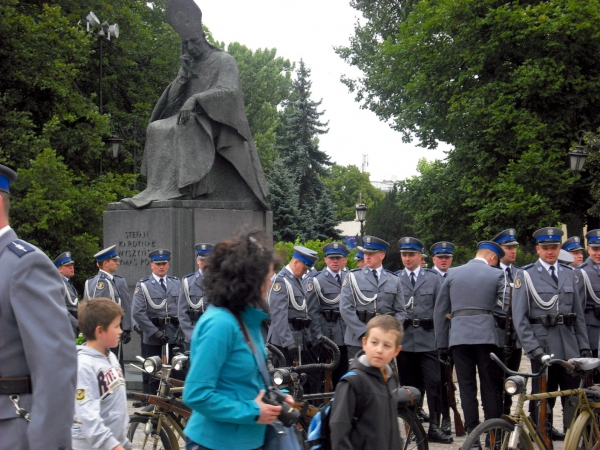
x=361, y=215
x=579, y=154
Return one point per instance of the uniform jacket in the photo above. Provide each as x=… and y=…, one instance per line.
x=35, y=340
x=145, y=309
x=419, y=302
x=281, y=332
x=330, y=289
x=475, y=285
x=101, y=285
x=195, y=296
x=390, y=299
x=223, y=381
x=101, y=416
x=593, y=324
x=501, y=309
x=563, y=341
x=71, y=301
x=372, y=402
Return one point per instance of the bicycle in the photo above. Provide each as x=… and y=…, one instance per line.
x=518, y=431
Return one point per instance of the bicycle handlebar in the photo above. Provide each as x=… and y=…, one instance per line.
x=320, y=366
x=526, y=374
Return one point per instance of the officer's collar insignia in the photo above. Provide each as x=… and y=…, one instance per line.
x=309, y=287
x=550, y=231
x=368, y=240
x=137, y=289
x=518, y=283
x=100, y=285
x=539, y=269
x=335, y=245
x=345, y=282
x=277, y=287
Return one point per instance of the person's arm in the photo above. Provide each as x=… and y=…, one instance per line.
x=580, y=328
x=121, y=285
x=441, y=322
x=314, y=310
x=341, y=415
x=139, y=311
x=183, y=310
x=348, y=309
x=520, y=314
x=278, y=307
x=399, y=303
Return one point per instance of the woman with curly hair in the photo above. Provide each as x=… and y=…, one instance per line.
x=224, y=386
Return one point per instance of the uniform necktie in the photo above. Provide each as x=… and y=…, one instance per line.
x=162, y=284
x=337, y=277
x=412, y=279
x=375, y=275
x=553, y=275
x=445, y=275
x=509, y=273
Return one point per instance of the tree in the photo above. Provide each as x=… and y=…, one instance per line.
x=284, y=200
x=346, y=183
x=507, y=84
x=325, y=220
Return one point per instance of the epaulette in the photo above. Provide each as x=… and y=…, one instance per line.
x=144, y=279
x=389, y=271
x=20, y=247
x=193, y=274
x=528, y=266
x=497, y=267
x=172, y=277
x=358, y=269
x=582, y=265
x=566, y=266
x=432, y=271
x=93, y=276
x=118, y=276
x=397, y=272
x=517, y=267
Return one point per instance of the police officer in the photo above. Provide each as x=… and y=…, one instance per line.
x=324, y=290
x=369, y=292
x=155, y=311
x=548, y=314
x=468, y=297
x=360, y=260
x=38, y=359
x=418, y=362
x=591, y=280
x=191, y=303
x=107, y=284
x=66, y=267
x=574, y=247
x=507, y=340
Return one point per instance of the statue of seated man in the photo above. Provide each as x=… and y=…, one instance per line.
x=198, y=132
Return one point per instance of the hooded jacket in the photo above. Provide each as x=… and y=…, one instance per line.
x=364, y=414
x=100, y=402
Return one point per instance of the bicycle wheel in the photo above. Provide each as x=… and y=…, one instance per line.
x=411, y=431
x=495, y=434
x=583, y=435
x=136, y=433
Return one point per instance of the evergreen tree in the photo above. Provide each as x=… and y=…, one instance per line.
x=284, y=202
x=325, y=220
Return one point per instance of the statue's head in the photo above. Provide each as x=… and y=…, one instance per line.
x=186, y=19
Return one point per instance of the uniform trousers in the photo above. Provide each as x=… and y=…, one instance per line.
x=352, y=351
x=445, y=404
x=470, y=360
x=343, y=366
x=416, y=368
x=557, y=376
x=151, y=383
x=314, y=380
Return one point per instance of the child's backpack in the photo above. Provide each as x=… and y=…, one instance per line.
x=319, y=437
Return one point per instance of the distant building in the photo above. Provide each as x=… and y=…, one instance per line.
x=385, y=185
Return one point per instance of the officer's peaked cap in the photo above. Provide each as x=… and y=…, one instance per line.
x=548, y=235
x=506, y=237
x=306, y=255
x=63, y=259
x=159, y=255
x=572, y=244
x=593, y=238
x=7, y=177
x=335, y=249
x=107, y=253
x=442, y=248
x=372, y=244
x=491, y=245
x=410, y=245
x=204, y=249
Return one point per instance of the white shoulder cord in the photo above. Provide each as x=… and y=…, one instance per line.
x=541, y=303
x=410, y=303
x=186, y=290
x=332, y=301
x=86, y=296
x=292, y=299
x=588, y=285
x=111, y=292
x=68, y=295
x=357, y=294
x=149, y=299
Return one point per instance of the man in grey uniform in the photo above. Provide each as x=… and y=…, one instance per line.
x=155, y=310
x=324, y=290
x=66, y=267
x=109, y=285
x=369, y=292
x=190, y=304
x=468, y=297
x=574, y=247
x=548, y=314
x=591, y=281
x=418, y=363
x=38, y=359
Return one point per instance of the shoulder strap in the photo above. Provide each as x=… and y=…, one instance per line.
x=260, y=362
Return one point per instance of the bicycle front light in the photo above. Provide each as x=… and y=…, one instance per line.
x=280, y=377
x=179, y=361
x=514, y=385
x=152, y=364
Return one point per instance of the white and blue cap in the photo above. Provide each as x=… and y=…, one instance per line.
x=548, y=235
x=565, y=257
x=64, y=259
x=372, y=244
x=305, y=255
x=107, y=253
x=593, y=238
x=335, y=249
x=7, y=176
x=573, y=244
x=159, y=255
x=506, y=237
x=203, y=250
x=442, y=248
x=491, y=245
x=359, y=256
x=410, y=245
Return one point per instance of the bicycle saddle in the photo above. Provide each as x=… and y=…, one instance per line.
x=585, y=364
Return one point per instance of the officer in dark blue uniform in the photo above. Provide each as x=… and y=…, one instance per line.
x=418, y=363
x=66, y=267
x=191, y=303
x=574, y=246
x=324, y=290
x=369, y=292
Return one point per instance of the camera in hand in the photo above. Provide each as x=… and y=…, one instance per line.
x=288, y=415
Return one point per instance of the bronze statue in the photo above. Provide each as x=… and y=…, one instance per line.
x=198, y=131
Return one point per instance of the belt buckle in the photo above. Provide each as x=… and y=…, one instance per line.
x=416, y=323
x=167, y=320
x=560, y=319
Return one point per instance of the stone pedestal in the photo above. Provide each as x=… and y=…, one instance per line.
x=175, y=225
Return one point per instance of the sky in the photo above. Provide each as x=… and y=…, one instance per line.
x=309, y=30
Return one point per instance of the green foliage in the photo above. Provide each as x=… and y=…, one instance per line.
x=284, y=200
x=345, y=184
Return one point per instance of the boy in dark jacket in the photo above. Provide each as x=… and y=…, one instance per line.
x=364, y=412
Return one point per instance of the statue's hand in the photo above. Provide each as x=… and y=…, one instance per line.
x=186, y=111
x=186, y=63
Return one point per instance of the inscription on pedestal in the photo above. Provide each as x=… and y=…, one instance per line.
x=135, y=247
